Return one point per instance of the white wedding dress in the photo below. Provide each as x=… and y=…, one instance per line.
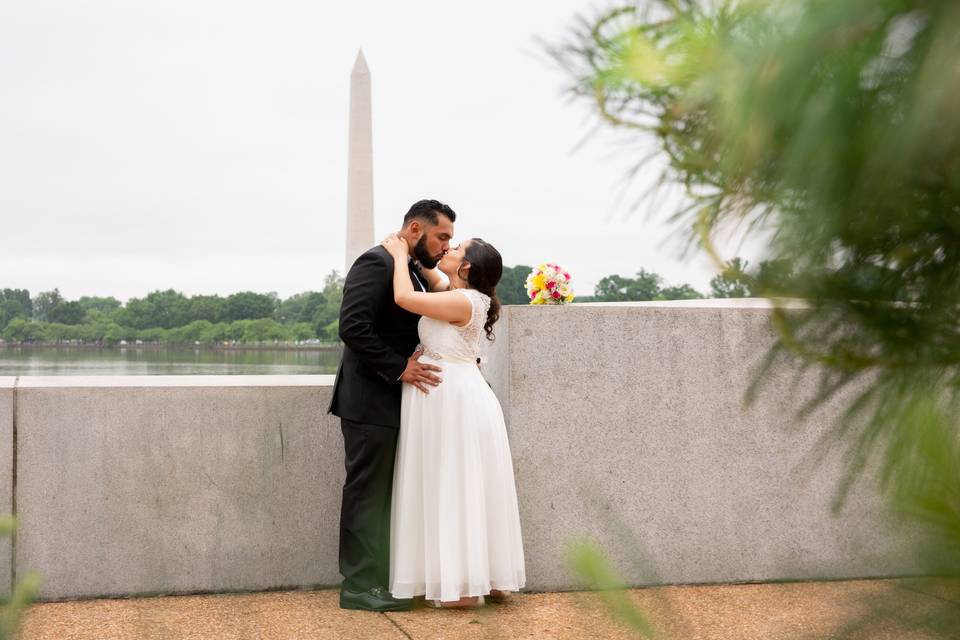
x=455, y=527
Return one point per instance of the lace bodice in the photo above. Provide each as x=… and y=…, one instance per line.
x=446, y=341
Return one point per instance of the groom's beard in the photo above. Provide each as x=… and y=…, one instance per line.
x=420, y=252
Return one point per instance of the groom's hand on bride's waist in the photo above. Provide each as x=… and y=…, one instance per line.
x=420, y=375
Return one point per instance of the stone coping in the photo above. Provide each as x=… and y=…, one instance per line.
x=707, y=303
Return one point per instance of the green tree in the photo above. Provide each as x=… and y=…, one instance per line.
x=94, y=328
x=14, y=303
x=22, y=330
x=58, y=332
x=154, y=334
x=212, y=308
x=7, y=313
x=331, y=332
x=512, y=288
x=44, y=302
x=645, y=286
x=333, y=288
x=20, y=298
x=301, y=331
x=192, y=333
x=732, y=281
x=301, y=307
x=66, y=313
x=94, y=316
x=215, y=334
x=265, y=330
x=615, y=288
x=236, y=330
x=247, y=305
x=107, y=304
x=114, y=333
x=329, y=313
x=679, y=292
x=137, y=313
x=612, y=288
x=168, y=308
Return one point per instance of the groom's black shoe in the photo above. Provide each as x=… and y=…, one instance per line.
x=375, y=599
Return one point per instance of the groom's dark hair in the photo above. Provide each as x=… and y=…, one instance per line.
x=428, y=211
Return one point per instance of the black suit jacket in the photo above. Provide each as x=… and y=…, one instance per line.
x=378, y=337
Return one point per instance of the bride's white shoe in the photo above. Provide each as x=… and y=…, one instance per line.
x=474, y=602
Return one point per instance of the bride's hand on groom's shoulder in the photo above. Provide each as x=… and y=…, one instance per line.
x=396, y=246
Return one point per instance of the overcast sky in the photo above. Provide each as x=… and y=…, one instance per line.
x=202, y=144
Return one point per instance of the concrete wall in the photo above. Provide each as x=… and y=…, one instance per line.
x=627, y=425
x=6, y=478
x=177, y=484
x=625, y=421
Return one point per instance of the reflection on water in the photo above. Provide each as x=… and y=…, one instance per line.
x=138, y=361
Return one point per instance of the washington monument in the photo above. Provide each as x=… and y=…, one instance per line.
x=360, y=165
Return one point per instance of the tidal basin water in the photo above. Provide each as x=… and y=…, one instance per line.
x=139, y=361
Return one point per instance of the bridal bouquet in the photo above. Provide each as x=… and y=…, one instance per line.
x=549, y=284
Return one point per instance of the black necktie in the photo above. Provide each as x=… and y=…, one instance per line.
x=413, y=269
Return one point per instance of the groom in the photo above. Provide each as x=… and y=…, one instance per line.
x=379, y=339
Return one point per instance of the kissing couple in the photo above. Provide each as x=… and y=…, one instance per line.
x=429, y=501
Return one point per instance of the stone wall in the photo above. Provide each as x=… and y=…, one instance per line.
x=626, y=424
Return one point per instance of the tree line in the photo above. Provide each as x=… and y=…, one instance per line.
x=733, y=281
x=170, y=317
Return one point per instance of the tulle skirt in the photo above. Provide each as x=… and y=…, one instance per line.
x=455, y=526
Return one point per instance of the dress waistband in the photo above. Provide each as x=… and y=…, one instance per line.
x=440, y=356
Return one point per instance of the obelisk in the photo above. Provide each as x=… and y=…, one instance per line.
x=360, y=164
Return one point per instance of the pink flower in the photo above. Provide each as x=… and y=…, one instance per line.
x=566, y=275
x=556, y=294
x=551, y=285
x=533, y=294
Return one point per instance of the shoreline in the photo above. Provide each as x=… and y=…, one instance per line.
x=173, y=347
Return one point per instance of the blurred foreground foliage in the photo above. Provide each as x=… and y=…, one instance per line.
x=594, y=570
x=829, y=133
x=24, y=592
x=830, y=130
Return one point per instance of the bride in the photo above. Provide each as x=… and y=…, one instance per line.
x=455, y=527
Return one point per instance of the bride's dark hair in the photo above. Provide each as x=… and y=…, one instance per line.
x=486, y=267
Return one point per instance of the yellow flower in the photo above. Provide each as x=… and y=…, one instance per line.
x=537, y=300
x=539, y=282
x=569, y=298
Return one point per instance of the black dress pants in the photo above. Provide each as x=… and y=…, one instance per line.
x=365, y=511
